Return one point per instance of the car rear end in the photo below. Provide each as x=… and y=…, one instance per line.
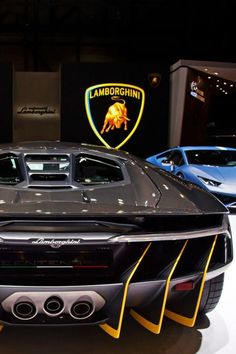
x=76, y=255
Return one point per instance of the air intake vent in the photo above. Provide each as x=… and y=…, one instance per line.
x=48, y=177
x=50, y=187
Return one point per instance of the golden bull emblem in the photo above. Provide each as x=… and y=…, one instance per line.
x=114, y=119
x=116, y=116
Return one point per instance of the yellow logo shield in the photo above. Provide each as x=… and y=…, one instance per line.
x=114, y=111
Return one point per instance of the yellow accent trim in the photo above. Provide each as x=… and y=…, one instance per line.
x=190, y=322
x=152, y=327
x=91, y=120
x=1, y=328
x=107, y=328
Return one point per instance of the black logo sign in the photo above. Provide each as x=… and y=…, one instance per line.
x=114, y=111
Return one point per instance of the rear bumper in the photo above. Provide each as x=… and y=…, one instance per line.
x=100, y=296
x=147, y=286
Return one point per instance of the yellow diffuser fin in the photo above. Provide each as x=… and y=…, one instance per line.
x=149, y=325
x=190, y=321
x=115, y=332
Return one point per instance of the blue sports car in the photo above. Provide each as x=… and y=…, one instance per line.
x=211, y=167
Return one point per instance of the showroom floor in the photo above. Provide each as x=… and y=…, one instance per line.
x=216, y=333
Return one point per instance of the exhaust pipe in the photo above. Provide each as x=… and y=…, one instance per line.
x=53, y=306
x=83, y=308
x=79, y=305
x=24, y=309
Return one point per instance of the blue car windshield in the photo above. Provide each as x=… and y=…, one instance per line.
x=211, y=157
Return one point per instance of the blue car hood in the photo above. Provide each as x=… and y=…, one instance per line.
x=219, y=173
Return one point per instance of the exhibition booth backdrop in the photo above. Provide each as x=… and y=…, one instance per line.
x=202, y=103
x=36, y=108
x=121, y=106
x=126, y=106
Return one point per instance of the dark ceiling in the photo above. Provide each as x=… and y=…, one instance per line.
x=39, y=34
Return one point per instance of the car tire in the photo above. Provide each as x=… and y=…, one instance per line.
x=211, y=294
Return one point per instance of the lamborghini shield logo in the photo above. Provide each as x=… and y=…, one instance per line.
x=114, y=111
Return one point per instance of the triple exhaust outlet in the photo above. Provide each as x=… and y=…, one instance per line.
x=26, y=309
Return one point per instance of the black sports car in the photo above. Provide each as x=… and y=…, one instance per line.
x=87, y=232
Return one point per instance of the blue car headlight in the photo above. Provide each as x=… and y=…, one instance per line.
x=209, y=182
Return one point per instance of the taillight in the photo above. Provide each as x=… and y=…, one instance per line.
x=186, y=286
